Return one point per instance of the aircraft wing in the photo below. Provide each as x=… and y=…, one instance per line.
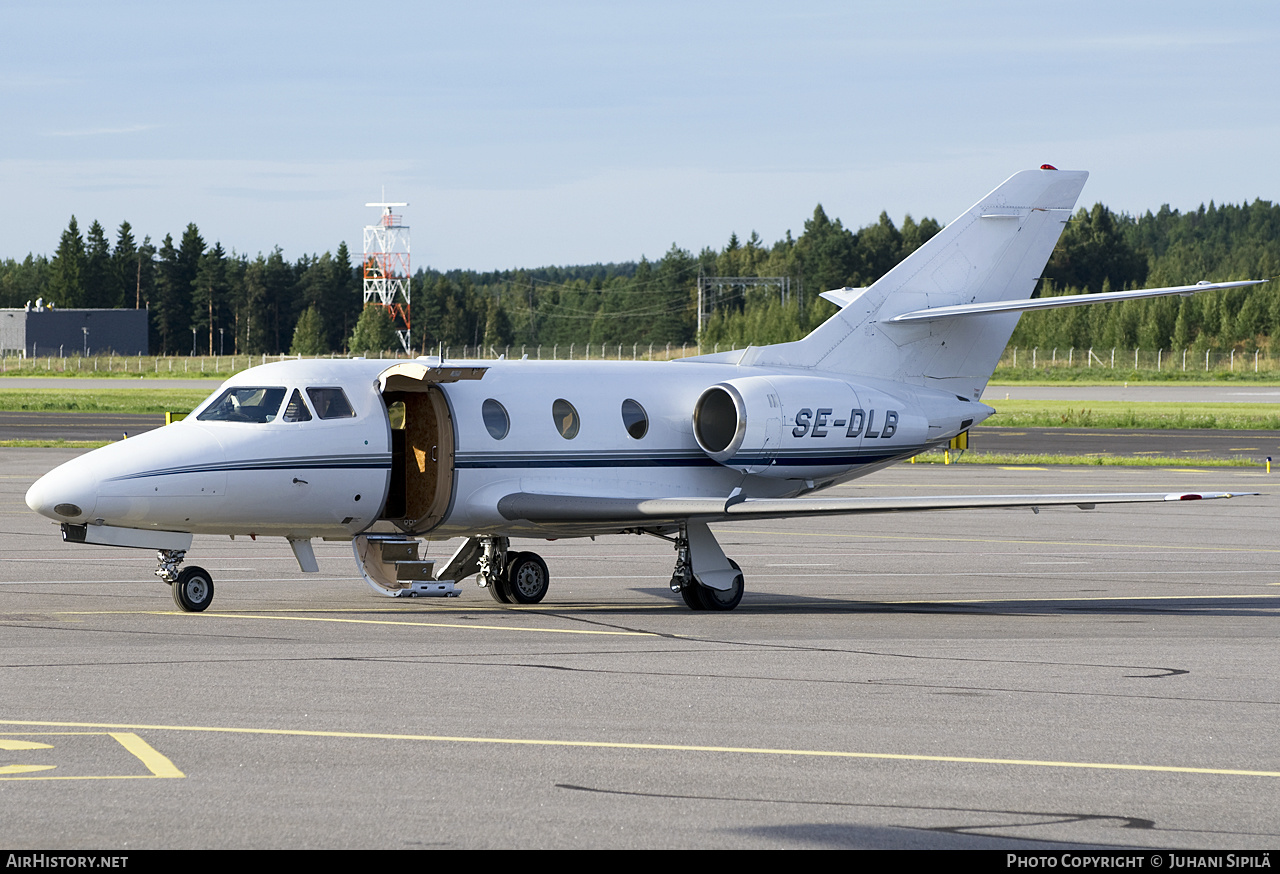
x=547, y=508
x=1068, y=300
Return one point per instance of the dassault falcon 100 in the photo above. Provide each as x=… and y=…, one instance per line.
x=385, y=456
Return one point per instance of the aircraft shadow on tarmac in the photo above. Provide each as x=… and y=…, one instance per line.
x=976, y=828
x=1261, y=605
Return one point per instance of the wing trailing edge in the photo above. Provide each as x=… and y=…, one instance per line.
x=547, y=508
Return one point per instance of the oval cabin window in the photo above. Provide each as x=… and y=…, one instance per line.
x=634, y=418
x=496, y=420
x=565, y=417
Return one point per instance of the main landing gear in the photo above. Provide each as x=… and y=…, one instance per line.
x=712, y=581
x=511, y=577
x=390, y=564
x=192, y=587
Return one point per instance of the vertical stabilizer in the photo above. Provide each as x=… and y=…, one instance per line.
x=995, y=251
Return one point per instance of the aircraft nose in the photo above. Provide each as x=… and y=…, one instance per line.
x=64, y=495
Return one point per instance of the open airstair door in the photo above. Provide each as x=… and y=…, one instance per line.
x=422, y=441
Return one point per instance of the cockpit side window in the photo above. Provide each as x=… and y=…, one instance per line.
x=330, y=403
x=244, y=404
x=297, y=410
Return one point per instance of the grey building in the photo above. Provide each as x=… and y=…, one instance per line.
x=46, y=331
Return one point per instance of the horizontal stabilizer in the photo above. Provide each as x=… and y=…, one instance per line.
x=1049, y=303
x=570, y=508
x=841, y=297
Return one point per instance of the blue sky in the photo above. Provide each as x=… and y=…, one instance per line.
x=527, y=134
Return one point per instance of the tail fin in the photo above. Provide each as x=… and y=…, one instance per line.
x=994, y=251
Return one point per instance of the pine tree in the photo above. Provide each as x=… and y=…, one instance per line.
x=126, y=270
x=99, y=283
x=66, y=282
x=309, y=334
x=209, y=294
x=374, y=332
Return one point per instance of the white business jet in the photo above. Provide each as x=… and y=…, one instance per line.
x=384, y=456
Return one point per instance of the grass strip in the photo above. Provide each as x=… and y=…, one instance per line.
x=54, y=444
x=1156, y=415
x=109, y=400
x=1062, y=374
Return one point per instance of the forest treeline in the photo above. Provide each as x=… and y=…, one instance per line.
x=205, y=299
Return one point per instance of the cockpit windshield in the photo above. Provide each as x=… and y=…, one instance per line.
x=247, y=404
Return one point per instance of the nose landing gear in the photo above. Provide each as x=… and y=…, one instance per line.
x=192, y=587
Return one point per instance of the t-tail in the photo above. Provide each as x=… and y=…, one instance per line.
x=942, y=318
x=995, y=251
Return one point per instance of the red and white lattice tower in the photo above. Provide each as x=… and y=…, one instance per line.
x=386, y=268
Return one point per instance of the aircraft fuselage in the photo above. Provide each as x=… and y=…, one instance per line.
x=605, y=428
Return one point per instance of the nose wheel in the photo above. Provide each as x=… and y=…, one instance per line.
x=193, y=589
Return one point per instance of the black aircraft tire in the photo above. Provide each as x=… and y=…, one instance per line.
x=689, y=592
x=527, y=578
x=193, y=590
x=498, y=589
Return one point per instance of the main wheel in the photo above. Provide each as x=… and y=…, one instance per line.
x=527, y=578
x=689, y=592
x=193, y=589
x=498, y=589
x=715, y=599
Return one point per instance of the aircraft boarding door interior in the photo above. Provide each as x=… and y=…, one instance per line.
x=422, y=442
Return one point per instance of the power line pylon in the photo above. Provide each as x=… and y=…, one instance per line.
x=386, y=268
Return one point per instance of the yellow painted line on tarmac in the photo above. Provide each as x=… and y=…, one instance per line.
x=8, y=744
x=1073, y=599
x=1017, y=467
x=683, y=748
x=851, y=535
x=156, y=762
x=458, y=625
x=63, y=615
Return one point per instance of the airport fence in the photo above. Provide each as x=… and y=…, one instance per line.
x=222, y=366
x=1055, y=361
x=1016, y=361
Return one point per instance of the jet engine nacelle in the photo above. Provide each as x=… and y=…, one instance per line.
x=743, y=423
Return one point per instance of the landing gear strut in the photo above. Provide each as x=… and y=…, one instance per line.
x=493, y=568
x=192, y=587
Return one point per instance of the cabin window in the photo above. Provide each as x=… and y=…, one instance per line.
x=565, y=417
x=297, y=410
x=330, y=403
x=244, y=404
x=634, y=418
x=496, y=420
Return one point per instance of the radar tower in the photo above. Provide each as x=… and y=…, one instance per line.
x=386, y=268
